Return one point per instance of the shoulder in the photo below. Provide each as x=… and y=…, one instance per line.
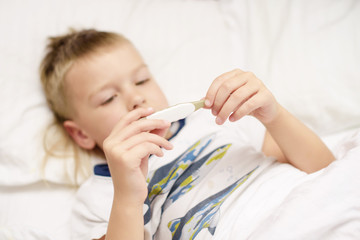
x=95, y=191
x=92, y=207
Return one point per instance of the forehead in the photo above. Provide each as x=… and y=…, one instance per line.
x=119, y=59
x=123, y=56
x=105, y=64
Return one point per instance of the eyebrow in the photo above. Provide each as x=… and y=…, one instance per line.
x=133, y=72
x=139, y=68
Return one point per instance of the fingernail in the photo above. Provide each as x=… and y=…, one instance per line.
x=166, y=122
x=231, y=118
x=219, y=121
x=207, y=103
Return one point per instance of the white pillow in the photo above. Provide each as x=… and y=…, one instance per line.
x=185, y=50
x=308, y=53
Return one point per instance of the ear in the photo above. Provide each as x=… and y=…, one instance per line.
x=78, y=135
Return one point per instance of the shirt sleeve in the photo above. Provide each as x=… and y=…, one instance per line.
x=91, y=210
x=254, y=130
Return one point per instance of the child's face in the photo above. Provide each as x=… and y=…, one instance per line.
x=104, y=87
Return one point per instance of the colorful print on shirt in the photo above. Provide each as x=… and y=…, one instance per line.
x=179, y=177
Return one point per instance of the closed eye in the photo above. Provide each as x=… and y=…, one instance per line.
x=142, y=82
x=109, y=100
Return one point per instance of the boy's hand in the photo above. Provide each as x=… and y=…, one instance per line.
x=236, y=93
x=127, y=150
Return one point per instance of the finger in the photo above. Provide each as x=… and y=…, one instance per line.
x=247, y=107
x=147, y=137
x=130, y=158
x=146, y=125
x=136, y=127
x=153, y=149
x=211, y=93
x=134, y=160
x=134, y=156
x=225, y=90
x=116, y=147
x=236, y=99
x=132, y=116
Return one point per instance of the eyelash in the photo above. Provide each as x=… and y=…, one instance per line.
x=142, y=82
x=109, y=100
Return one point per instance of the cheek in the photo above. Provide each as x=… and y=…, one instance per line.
x=103, y=130
x=103, y=123
x=158, y=96
x=108, y=123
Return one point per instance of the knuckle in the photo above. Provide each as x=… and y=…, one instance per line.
x=218, y=81
x=146, y=136
x=237, y=96
x=219, y=78
x=150, y=146
x=237, y=70
x=136, y=124
x=249, y=75
x=112, y=150
x=146, y=145
x=248, y=106
x=226, y=86
x=106, y=144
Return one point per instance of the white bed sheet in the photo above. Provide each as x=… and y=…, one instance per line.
x=192, y=48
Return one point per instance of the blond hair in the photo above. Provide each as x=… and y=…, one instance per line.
x=61, y=52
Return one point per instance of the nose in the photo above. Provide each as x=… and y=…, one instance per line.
x=134, y=99
x=137, y=101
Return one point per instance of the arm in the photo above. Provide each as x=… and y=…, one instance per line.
x=236, y=93
x=291, y=141
x=126, y=222
x=127, y=149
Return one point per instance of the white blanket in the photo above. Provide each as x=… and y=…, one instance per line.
x=326, y=206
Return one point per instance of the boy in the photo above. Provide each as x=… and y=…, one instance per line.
x=100, y=91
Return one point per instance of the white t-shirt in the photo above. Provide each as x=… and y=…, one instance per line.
x=193, y=189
